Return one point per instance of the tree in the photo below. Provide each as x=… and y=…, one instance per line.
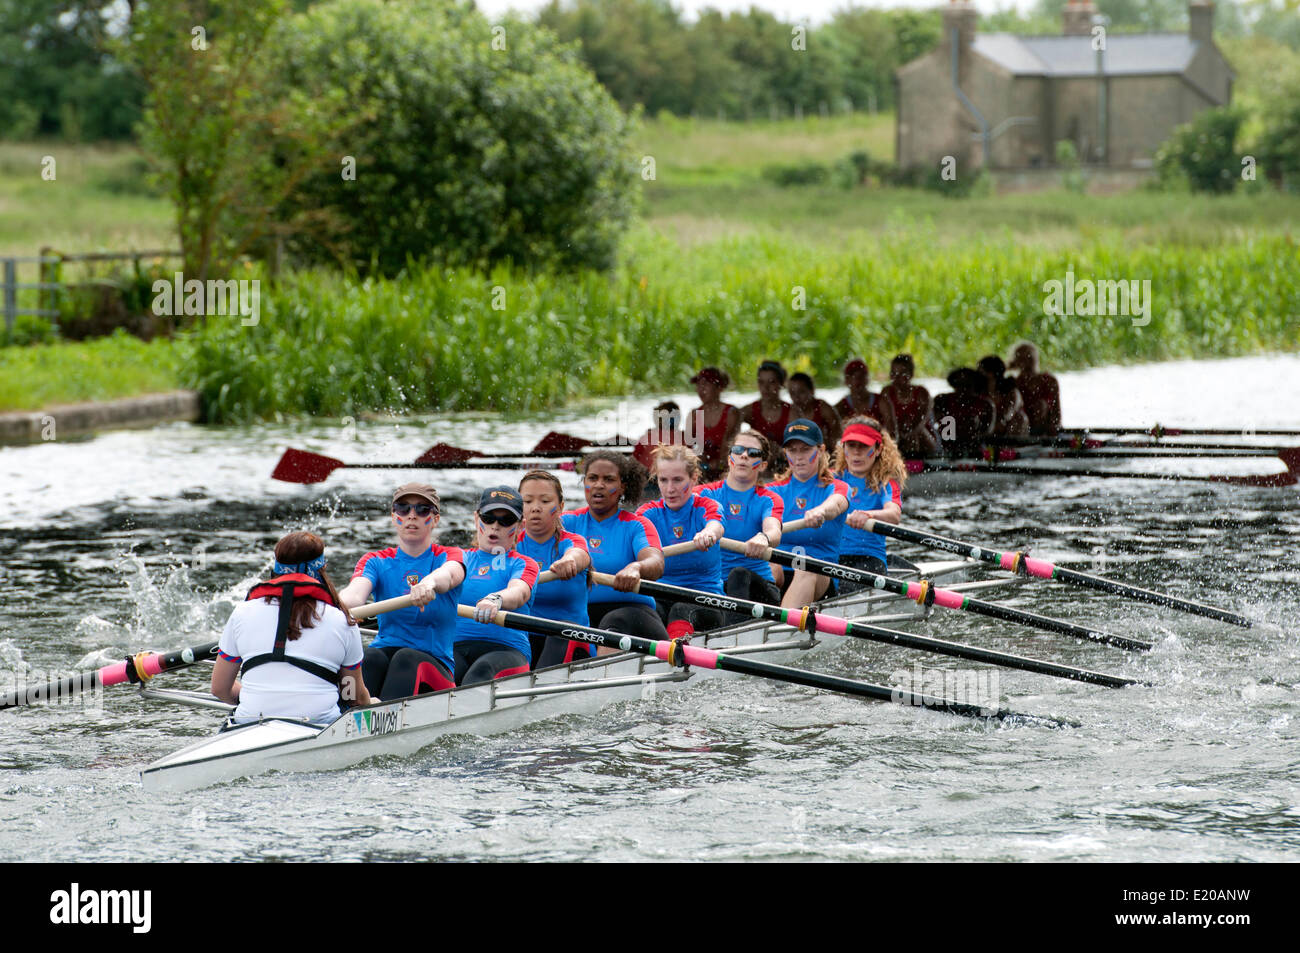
x=1204, y=152
x=480, y=142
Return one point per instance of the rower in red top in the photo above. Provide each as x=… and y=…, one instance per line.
x=966, y=416
x=1009, y=417
x=861, y=400
x=667, y=429
x=713, y=423
x=769, y=415
x=805, y=403
x=1038, y=389
x=619, y=543
x=911, y=408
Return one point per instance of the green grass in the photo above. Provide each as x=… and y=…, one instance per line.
x=39, y=376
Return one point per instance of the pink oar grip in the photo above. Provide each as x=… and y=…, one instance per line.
x=832, y=624
x=114, y=674
x=949, y=599
x=700, y=658
x=1039, y=567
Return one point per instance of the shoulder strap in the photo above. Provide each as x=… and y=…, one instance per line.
x=277, y=653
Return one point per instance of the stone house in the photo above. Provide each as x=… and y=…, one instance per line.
x=1004, y=101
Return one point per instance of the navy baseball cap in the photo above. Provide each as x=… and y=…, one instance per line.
x=803, y=430
x=501, y=498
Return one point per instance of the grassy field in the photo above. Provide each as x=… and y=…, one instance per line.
x=883, y=270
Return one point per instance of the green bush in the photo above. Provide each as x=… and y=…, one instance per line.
x=1067, y=160
x=465, y=153
x=796, y=174
x=1203, y=153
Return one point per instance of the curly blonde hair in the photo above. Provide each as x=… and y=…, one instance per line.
x=888, y=463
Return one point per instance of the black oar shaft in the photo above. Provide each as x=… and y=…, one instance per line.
x=1059, y=573
x=705, y=658
x=953, y=600
x=132, y=670
x=859, y=630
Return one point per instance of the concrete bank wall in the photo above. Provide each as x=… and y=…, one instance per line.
x=71, y=420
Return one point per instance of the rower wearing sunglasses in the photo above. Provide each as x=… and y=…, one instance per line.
x=413, y=651
x=496, y=577
x=869, y=463
x=751, y=514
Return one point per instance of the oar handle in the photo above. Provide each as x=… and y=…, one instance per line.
x=378, y=608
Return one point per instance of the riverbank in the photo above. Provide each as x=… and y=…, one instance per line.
x=60, y=421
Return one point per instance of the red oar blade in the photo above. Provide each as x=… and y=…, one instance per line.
x=1265, y=479
x=446, y=453
x=302, y=466
x=555, y=442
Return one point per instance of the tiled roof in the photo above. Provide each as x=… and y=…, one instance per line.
x=1125, y=54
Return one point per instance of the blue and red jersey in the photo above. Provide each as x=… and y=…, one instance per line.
x=861, y=542
x=492, y=572
x=613, y=543
x=800, y=496
x=743, y=512
x=431, y=628
x=699, y=568
x=564, y=600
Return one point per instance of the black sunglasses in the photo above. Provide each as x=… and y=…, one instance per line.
x=740, y=451
x=421, y=509
x=499, y=518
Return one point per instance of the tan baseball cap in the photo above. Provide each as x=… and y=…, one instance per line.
x=422, y=490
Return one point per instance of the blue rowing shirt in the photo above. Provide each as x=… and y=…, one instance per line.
x=861, y=542
x=563, y=600
x=699, y=568
x=491, y=572
x=431, y=628
x=743, y=512
x=800, y=496
x=613, y=543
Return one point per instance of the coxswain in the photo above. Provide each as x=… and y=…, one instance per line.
x=545, y=540
x=868, y=462
x=1009, y=412
x=678, y=516
x=964, y=417
x=751, y=514
x=805, y=403
x=769, y=415
x=809, y=491
x=1039, y=390
x=911, y=408
x=296, y=651
x=861, y=400
x=713, y=423
x=413, y=652
x=620, y=543
x=497, y=577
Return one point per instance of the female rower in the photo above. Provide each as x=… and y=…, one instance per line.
x=545, y=540
x=809, y=491
x=1010, y=419
x=713, y=423
x=677, y=516
x=966, y=416
x=911, y=407
x=805, y=403
x=1038, y=389
x=861, y=400
x=751, y=514
x=298, y=651
x=667, y=420
x=413, y=651
x=769, y=415
x=620, y=543
x=496, y=577
x=869, y=463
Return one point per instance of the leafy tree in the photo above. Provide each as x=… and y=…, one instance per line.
x=1204, y=152
x=477, y=145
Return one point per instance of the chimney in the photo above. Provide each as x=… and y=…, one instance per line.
x=1200, y=20
x=961, y=16
x=1076, y=18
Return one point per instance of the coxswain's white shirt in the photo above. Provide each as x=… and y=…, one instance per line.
x=285, y=691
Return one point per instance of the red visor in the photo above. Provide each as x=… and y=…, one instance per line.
x=861, y=433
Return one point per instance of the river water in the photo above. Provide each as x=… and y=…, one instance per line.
x=147, y=539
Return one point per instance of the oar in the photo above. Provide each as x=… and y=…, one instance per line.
x=676, y=653
x=926, y=593
x=1286, y=478
x=302, y=466
x=1021, y=563
x=133, y=670
x=1084, y=444
x=1161, y=431
x=807, y=620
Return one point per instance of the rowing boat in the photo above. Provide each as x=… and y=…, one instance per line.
x=404, y=726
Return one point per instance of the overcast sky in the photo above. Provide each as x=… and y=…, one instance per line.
x=815, y=11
